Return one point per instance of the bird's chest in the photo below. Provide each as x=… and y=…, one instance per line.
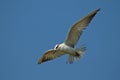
x=66, y=49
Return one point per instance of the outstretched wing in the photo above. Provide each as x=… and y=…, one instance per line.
x=50, y=55
x=77, y=29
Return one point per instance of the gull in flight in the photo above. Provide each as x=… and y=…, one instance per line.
x=68, y=46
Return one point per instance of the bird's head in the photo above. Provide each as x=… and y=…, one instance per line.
x=56, y=46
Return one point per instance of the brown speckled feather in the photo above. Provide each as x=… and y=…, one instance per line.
x=50, y=55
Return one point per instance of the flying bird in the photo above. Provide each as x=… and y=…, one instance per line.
x=68, y=46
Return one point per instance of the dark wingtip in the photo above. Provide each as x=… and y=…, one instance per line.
x=39, y=62
x=43, y=60
x=98, y=9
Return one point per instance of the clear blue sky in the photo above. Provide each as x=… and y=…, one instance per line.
x=30, y=27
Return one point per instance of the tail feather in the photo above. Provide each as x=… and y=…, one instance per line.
x=80, y=51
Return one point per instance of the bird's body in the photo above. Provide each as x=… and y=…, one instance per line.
x=68, y=46
x=65, y=48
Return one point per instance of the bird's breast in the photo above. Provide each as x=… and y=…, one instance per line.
x=66, y=49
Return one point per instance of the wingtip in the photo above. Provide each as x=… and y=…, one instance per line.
x=98, y=9
x=39, y=62
x=94, y=12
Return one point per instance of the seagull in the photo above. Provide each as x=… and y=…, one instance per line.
x=68, y=46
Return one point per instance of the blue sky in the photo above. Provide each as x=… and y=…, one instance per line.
x=30, y=27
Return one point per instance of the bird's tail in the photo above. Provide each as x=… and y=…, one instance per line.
x=79, y=53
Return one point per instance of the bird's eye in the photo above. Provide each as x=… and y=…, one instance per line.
x=56, y=46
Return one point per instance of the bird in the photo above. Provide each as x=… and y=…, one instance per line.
x=68, y=46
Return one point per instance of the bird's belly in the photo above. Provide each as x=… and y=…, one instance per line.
x=66, y=49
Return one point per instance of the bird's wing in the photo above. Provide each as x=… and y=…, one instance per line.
x=50, y=55
x=77, y=29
